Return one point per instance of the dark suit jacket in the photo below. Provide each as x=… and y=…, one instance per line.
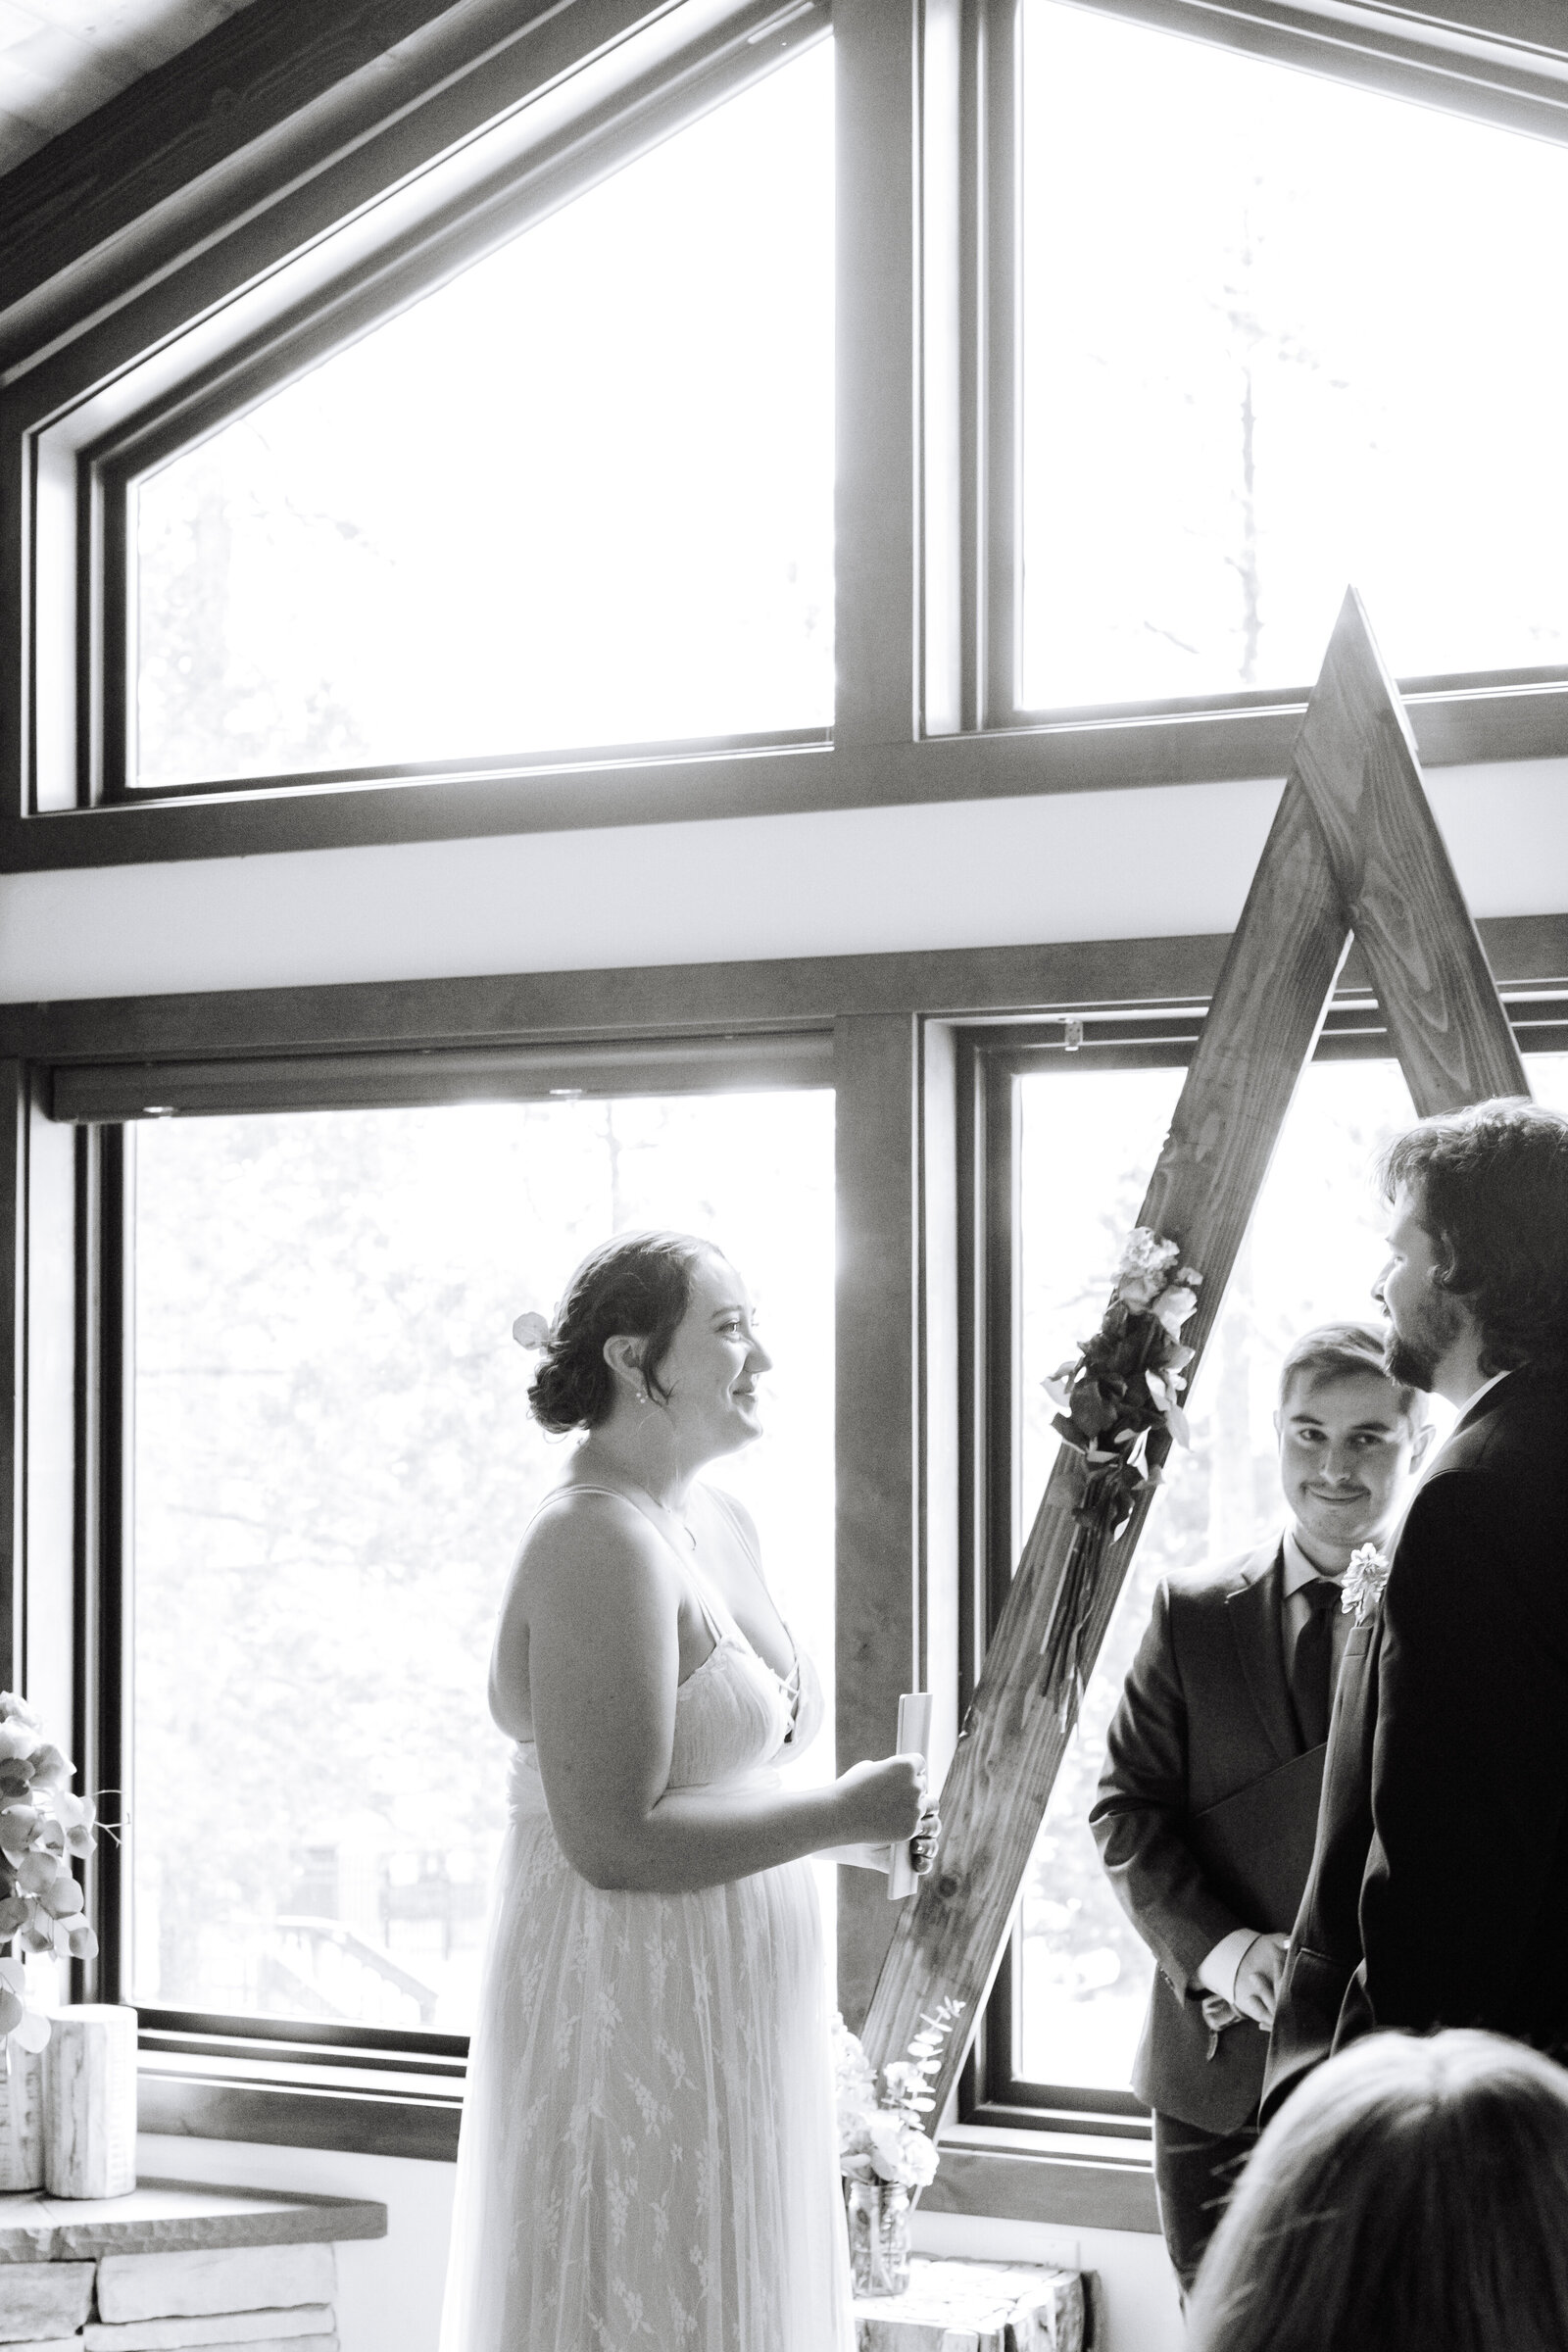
x=1438, y=1887
x=1204, y=1819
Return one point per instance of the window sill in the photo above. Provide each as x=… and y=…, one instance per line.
x=1069, y=2179
x=367, y=2110
x=1524, y=718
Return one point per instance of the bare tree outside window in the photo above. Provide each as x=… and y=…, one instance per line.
x=580, y=495
x=333, y=1466
x=1279, y=333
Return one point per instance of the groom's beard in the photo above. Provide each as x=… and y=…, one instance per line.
x=1412, y=1357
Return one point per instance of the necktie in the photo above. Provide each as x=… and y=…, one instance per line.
x=1312, y=1661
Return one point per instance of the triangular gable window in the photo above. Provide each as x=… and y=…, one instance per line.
x=581, y=495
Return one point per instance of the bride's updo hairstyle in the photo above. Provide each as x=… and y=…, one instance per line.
x=638, y=1285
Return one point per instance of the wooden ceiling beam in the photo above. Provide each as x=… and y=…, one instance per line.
x=276, y=92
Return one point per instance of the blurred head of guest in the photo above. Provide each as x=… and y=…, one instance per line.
x=1412, y=2196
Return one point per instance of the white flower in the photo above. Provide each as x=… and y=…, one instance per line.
x=880, y=2136
x=1144, y=1262
x=1140, y=1291
x=1173, y=1306
x=1146, y=1254
x=1365, y=1580
x=901, y=2151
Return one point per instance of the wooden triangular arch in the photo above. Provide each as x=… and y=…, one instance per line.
x=1354, y=851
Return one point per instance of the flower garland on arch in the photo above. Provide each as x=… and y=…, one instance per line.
x=1120, y=1392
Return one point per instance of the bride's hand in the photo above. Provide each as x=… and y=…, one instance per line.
x=881, y=1804
x=922, y=1849
x=923, y=1845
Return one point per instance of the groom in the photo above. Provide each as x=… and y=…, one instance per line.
x=1439, y=1888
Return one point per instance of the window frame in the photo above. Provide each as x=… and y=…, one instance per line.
x=904, y=1351
x=926, y=303
x=109, y=1103
x=259, y=294
x=887, y=1020
x=1152, y=1034
x=213, y=172
x=63, y=1455
x=1496, y=80
x=363, y=293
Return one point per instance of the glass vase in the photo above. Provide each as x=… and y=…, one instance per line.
x=879, y=2237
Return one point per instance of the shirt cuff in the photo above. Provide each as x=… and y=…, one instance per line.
x=1216, y=1970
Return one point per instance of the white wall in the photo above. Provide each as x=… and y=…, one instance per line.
x=1122, y=865
x=971, y=873
x=389, y=2289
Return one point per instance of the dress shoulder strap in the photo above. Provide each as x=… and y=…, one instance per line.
x=580, y=1487
x=692, y=1581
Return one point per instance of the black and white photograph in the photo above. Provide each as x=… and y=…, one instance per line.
x=783, y=1176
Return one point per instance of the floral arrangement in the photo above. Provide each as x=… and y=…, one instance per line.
x=1365, y=1580
x=42, y=1829
x=881, y=2136
x=1118, y=1407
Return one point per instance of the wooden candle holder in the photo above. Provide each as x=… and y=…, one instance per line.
x=90, y=2102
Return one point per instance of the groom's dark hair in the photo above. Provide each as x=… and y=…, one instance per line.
x=1489, y=1185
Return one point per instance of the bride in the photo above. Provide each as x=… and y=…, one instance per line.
x=648, y=2153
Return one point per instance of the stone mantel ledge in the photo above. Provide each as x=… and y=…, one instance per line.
x=167, y=2217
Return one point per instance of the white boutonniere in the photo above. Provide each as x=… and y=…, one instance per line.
x=1365, y=1580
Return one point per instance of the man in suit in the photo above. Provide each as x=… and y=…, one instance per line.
x=1206, y=1812
x=1439, y=1886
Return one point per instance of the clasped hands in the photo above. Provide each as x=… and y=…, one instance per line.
x=1257, y=1985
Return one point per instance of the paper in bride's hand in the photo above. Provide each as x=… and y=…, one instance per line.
x=913, y=1739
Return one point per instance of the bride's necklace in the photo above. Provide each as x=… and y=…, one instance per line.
x=684, y=1525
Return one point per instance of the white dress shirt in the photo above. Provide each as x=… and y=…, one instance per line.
x=1474, y=1397
x=1217, y=1969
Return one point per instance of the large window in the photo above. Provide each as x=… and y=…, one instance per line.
x=583, y=494
x=1082, y=1132
x=1279, y=334
x=683, y=412
x=672, y=412
x=334, y=1464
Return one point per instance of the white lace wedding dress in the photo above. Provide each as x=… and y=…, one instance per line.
x=648, y=2154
